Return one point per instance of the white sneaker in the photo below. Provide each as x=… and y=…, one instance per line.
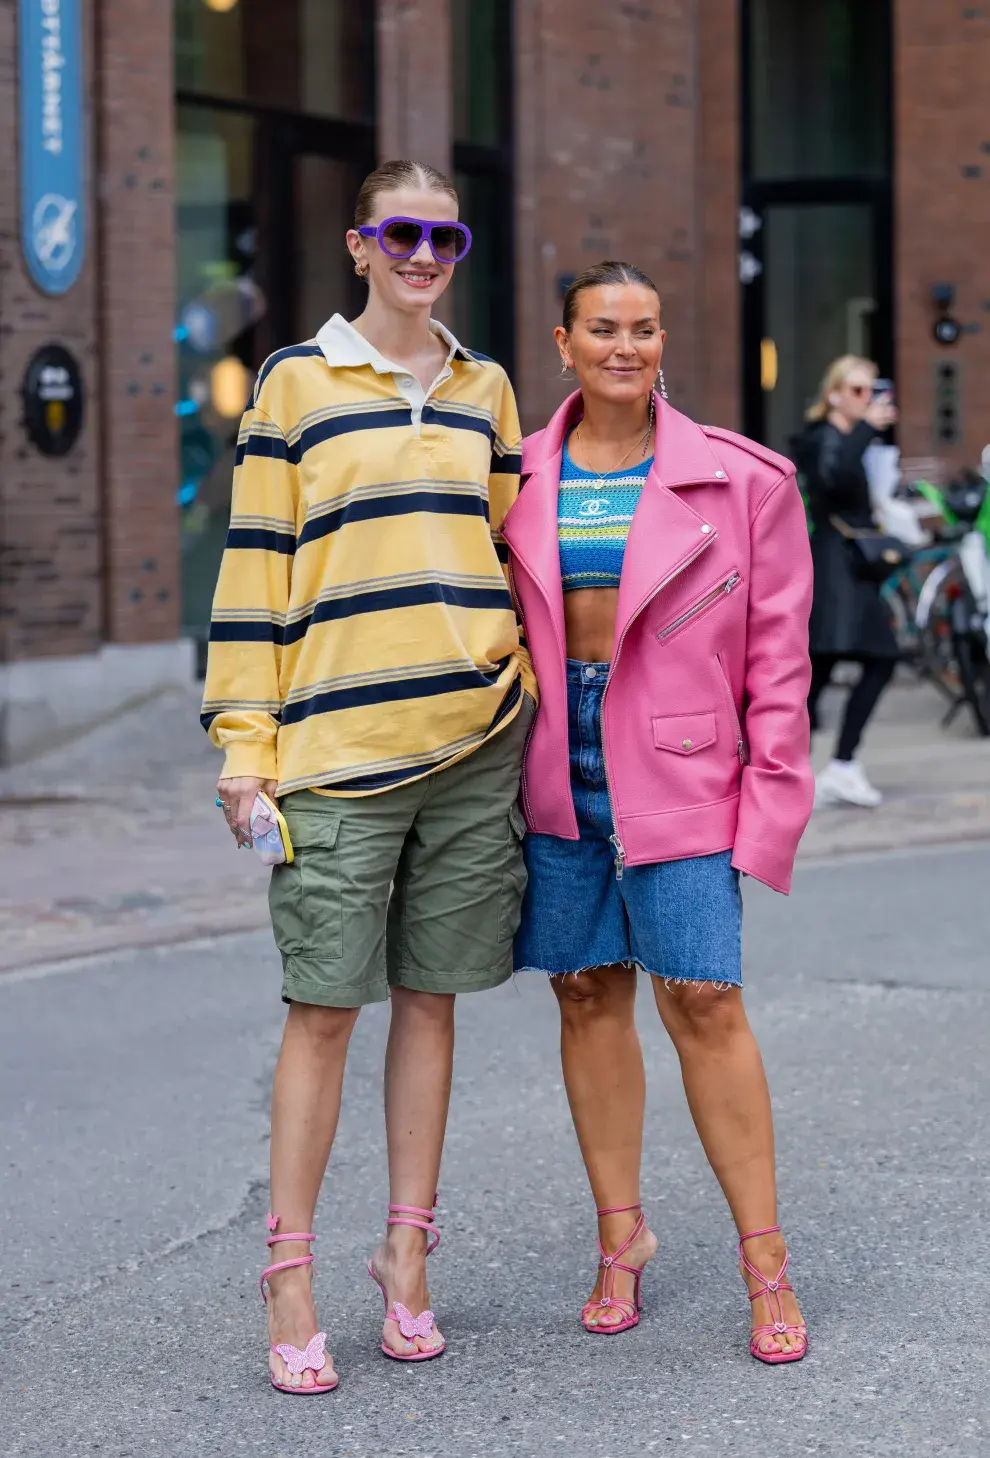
x=845, y=783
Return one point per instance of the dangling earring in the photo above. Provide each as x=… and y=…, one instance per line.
x=661, y=384
x=564, y=368
x=651, y=427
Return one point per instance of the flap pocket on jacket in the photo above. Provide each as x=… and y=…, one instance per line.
x=684, y=733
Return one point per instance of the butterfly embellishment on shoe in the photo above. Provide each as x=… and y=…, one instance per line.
x=413, y=1326
x=314, y=1358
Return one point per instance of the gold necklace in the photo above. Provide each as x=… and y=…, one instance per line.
x=599, y=484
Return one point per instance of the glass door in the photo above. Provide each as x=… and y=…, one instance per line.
x=815, y=234
x=816, y=284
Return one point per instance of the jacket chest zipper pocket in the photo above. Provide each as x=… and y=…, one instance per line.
x=724, y=589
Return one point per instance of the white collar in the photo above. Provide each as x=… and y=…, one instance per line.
x=344, y=348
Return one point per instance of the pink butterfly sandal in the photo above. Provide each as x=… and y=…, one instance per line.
x=314, y=1358
x=771, y=1290
x=628, y=1309
x=423, y=1325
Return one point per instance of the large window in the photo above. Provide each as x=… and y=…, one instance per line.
x=273, y=139
x=815, y=246
x=482, y=82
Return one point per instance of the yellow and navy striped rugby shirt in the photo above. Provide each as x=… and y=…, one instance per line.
x=363, y=632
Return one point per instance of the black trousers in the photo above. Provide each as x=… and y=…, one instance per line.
x=863, y=698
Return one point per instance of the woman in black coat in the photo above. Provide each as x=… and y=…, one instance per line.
x=849, y=622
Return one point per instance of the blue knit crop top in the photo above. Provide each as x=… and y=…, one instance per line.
x=593, y=521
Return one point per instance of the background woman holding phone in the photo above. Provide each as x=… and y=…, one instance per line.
x=849, y=622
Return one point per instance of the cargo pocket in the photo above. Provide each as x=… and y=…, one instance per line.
x=305, y=897
x=513, y=877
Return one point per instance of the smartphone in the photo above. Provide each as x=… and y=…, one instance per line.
x=882, y=388
x=269, y=833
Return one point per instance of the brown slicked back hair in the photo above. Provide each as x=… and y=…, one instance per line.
x=392, y=175
x=600, y=275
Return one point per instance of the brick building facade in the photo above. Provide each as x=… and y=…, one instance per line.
x=576, y=131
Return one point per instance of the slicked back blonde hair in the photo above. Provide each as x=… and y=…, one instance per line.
x=835, y=377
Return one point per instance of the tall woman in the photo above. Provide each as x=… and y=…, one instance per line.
x=365, y=667
x=848, y=619
x=664, y=578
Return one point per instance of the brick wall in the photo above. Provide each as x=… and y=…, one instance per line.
x=50, y=549
x=608, y=167
x=137, y=318
x=414, y=87
x=942, y=60
x=719, y=171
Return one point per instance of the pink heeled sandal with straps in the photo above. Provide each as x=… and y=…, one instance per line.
x=314, y=1358
x=771, y=1290
x=423, y=1325
x=628, y=1309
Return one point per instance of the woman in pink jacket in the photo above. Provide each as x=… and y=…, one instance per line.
x=663, y=573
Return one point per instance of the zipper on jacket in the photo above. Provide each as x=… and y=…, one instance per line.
x=723, y=590
x=740, y=739
x=615, y=840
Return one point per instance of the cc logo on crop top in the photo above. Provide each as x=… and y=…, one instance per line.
x=597, y=506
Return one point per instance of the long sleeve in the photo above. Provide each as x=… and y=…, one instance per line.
x=838, y=476
x=777, y=784
x=242, y=699
x=503, y=488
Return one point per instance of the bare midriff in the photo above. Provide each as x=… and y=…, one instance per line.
x=589, y=616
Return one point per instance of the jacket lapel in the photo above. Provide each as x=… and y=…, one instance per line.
x=666, y=532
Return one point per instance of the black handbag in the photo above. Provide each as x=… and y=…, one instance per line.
x=875, y=554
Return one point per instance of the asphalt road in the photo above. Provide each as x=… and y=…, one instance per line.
x=133, y=1155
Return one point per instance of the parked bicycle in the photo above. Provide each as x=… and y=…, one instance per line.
x=952, y=617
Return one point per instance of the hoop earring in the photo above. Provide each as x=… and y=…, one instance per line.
x=361, y=269
x=661, y=385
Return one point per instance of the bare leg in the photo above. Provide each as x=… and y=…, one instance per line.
x=305, y=1110
x=418, y=1069
x=730, y=1103
x=606, y=1089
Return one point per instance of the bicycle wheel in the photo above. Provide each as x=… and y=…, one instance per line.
x=937, y=658
x=974, y=671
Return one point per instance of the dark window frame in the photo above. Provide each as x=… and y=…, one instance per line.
x=759, y=194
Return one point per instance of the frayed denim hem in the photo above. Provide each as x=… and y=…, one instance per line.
x=719, y=984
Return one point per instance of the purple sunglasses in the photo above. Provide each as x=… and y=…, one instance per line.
x=401, y=237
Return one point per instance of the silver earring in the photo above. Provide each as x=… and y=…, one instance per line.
x=661, y=385
x=563, y=370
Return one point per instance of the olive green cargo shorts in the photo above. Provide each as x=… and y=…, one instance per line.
x=418, y=887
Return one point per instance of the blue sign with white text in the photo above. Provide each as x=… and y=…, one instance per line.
x=52, y=182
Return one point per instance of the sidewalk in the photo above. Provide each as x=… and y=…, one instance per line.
x=116, y=841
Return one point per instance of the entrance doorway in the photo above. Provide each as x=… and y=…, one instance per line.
x=816, y=284
x=815, y=246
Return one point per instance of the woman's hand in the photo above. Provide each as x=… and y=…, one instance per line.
x=882, y=413
x=237, y=797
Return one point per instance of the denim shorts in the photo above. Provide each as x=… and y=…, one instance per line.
x=680, y=920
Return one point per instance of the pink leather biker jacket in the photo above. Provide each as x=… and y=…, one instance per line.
x=704, y=716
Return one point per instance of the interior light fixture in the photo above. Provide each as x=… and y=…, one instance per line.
x=768, y=365
x=221, y=6
x=230, y=387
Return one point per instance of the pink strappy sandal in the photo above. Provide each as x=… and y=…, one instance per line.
x=411, y=1326
x=629, y=1310
x=314, y=1358
x=771, y=1290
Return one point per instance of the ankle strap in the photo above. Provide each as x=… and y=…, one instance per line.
x=306, y=1260
x=407, y=1215
x=618, y=1210
x=273, y=1239
x=770, y=1230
